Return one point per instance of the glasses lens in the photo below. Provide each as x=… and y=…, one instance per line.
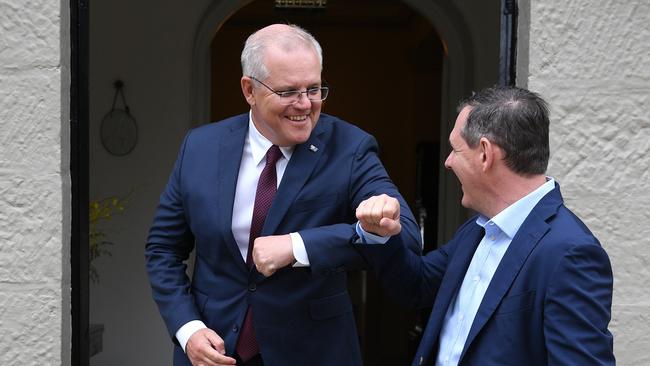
x=324, y=91
x=293, y=96
x=289, y=97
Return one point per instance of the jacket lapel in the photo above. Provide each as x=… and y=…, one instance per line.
x=302, y=163
x=454, y=274
x=526, y=239
x=230, y=150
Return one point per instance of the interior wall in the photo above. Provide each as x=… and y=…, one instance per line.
x=150, y=46
x=483, y=20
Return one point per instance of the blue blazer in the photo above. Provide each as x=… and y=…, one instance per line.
x=301, y=315
x=549, y=302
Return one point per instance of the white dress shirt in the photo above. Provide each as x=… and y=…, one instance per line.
x=499, y=232
x=252, y=164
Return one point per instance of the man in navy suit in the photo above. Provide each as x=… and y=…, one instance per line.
x=524, y=282
x=316, y=170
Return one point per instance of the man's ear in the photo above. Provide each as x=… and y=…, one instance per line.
x=488, y=153
x=247, y=90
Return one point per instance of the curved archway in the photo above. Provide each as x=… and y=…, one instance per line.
x=213, y=18
x=457, y=78
x=443, y=16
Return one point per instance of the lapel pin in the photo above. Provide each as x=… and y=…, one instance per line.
x=313, y=148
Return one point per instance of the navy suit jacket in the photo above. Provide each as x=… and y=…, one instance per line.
x=301, y=315
x=549, y=301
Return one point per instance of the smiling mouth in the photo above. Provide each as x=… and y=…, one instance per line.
x=297, y=118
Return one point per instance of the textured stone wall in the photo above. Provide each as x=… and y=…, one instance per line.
x=34, y=320
x=591, y=60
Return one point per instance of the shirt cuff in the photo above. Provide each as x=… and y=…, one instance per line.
x=369, y=238
x=184, y=333
x=299, y=251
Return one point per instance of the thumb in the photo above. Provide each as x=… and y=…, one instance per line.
x=391, y=226
x=216, y=342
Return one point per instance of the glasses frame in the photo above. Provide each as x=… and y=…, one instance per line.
x=324, y=90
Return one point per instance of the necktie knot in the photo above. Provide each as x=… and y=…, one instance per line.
x=273, y=155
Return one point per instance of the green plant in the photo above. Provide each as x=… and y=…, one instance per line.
x=100, y=211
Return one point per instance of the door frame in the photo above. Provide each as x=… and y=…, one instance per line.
x=79, y=141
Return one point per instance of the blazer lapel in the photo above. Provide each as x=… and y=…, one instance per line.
x=526, y=239
x=230, y=150
x=302, y=163
x=454, y=274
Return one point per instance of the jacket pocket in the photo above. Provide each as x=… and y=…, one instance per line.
x=516, y=302
x=316, y=203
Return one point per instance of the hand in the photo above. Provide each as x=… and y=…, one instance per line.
x=379, y=215
x=206, y=348
x=271, y=253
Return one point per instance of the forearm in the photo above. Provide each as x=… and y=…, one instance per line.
x=170, y=286
x=329, y=249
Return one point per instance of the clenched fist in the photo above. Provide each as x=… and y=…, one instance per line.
x=379, y=215
x=271, y=253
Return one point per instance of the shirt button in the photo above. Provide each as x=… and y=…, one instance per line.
x=476, y=278
x=461, y=317
x=491, y=237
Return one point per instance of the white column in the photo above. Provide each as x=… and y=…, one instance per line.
x=34, y=183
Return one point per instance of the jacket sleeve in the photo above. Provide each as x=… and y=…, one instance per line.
x=328, y=247
x=577, y=308
x=169, y=244
x=410, y=279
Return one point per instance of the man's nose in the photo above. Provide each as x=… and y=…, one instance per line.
x=448, y=161
x=303, y=101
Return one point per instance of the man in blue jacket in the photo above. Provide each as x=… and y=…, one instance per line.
x=276, y=187
x=524, y=282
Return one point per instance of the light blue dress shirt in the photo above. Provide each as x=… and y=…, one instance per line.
x=499, y=232
x=369, y=238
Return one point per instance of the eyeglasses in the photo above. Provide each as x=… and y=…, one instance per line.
x=288, y=97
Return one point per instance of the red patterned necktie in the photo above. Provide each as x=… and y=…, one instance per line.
x=266, y=187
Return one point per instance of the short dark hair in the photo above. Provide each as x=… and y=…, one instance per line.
x=516, y=120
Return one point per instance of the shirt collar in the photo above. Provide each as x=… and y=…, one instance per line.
x=510, y=219
x=260, y=144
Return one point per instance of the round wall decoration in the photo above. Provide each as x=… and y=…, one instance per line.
x=118, y=130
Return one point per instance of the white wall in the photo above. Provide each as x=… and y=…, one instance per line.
x=34, y=183
x=591, y=60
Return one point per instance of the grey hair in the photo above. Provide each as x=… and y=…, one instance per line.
x=252, y=56
x=516, y=120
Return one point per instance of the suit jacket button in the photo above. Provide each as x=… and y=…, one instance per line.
x=235, y=329
x=421, y=360
x=252, y=287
